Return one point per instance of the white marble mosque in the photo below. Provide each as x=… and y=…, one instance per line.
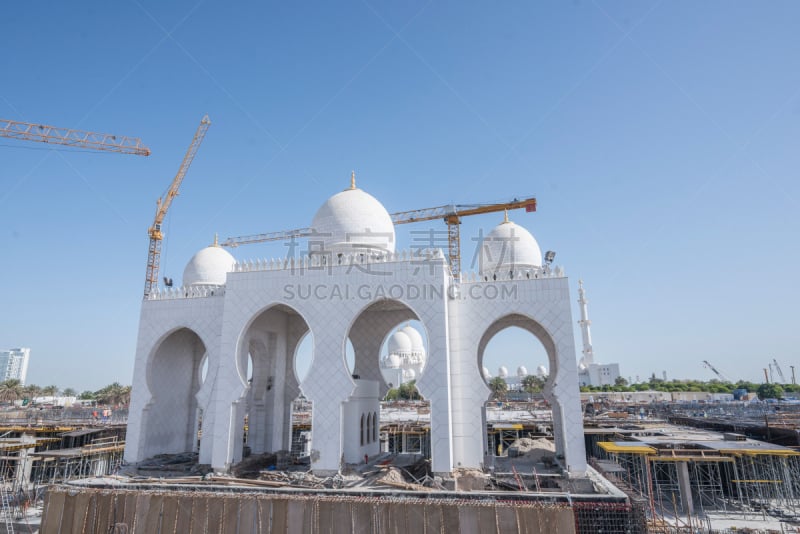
x=405, y=357
x=223, y=345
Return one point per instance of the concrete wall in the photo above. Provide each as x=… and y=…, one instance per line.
x=84, y=511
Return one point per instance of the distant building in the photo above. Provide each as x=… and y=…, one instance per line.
x=14, y=364
x=590, y=373
x=406, y=357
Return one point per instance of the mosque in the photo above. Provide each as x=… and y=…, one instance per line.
x=221, y=348
x=405, y=358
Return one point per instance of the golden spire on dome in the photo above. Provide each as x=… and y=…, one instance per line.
x=216, y=240
x=353, y=180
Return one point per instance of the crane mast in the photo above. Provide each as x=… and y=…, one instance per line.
x=451, y=214
x=780, y=371
x=716, y=371
x=163, y=204
x=75, y=138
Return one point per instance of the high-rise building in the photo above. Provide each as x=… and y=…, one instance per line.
x=14, y=364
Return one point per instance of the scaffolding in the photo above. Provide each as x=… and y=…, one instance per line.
x=101, y=457
x=768, y=480
x=499, y=437
x=694, y=481
x=408, y=438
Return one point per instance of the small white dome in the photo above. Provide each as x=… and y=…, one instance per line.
x=522, y=371
x=509, y=246
x=409, y=374
x=486, y=373
x=502, y=372
x=399, y=343
x=393, y=361
x=415, y=337
x=541, y=370
x=208, y=267
x=352, y=222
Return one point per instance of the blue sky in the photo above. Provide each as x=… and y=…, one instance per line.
x=660, y=139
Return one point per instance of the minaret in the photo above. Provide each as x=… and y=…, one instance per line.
x=588, y=355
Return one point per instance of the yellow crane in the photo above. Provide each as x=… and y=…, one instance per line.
x=75, y=138
x=451, y=214
x=163, y=204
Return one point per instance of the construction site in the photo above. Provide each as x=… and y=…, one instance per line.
x=223, y=435
x=685, y=467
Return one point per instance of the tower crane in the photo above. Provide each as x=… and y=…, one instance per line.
x=163, y=204
x=75, y=138
x=780, y=372
x=451, y=214
x=716, y=371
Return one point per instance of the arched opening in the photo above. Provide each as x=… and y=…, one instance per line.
x=300, y=447
x=515, y=360
x=268, y=363
x=174, y=376
x=389, y=346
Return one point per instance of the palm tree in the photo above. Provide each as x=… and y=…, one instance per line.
x=532, y=384
x=114, y=394
x=10, y=390
x=50, y=391
x=125, y=398
x=499, y=387
x=31, y=391
x=69, y=392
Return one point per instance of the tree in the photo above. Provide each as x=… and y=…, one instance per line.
x=532, y=384
x=69, y=392
x=408, y=391
x=499, y=387
x=50, y=391
x=114, y=394
x=770, y=391
x=10, y=390
x=31, y=391
x=620, y=381
x=86, y=395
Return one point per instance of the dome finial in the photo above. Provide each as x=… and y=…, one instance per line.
x=353, y=180
x=505, y=216
x=216, y=240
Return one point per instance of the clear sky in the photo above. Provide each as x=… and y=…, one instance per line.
x=660, y=139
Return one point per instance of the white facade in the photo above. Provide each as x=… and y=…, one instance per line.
x=598, y=374
x=589, y=372
x=14, y=364
x=351, y=285
x=405, y=358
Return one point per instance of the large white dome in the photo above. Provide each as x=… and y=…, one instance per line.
x=416, y=339
x=509, y=246
x=399, y=343
x=208, y=267
x=352, y=222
